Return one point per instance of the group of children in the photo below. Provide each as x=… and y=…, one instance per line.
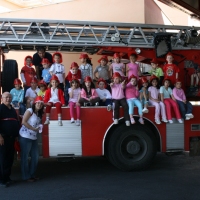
x=113, y=88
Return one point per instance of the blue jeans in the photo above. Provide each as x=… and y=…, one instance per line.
x=105, y=103
x=22, y=107
x=131, y=103
x=184, y=108
x=28, y=147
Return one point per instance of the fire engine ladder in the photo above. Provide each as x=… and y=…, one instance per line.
x=61, y=35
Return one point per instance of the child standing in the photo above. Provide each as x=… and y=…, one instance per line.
x=43, y=88
x=104, y=94
x=102, y=70
x=74, y=73
x=17, y=94
x=54, y=97
x=116, y=66
x=27, y=73
x=133, y=67
x=31, y=93
x=45, y=72
x=184, y=105
x=89, y=96
x=170, y=102
x=85, y=67
x=154, y=100
x=132, y=95
x=157, y=71
x=58, y=69
x=118, y=97
x=74, y=96
x=170, y=70
x=144, y=95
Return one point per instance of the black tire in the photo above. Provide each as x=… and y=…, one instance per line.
x=9, y=74
x=131, y=149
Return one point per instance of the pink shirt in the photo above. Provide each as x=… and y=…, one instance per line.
x=179, y=94
x=133, y=69
x=118, y=67
x=131, y=92
x=154, y=92
x=117, y=91
x=75, y=96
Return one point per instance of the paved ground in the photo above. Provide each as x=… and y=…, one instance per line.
x=169, y=178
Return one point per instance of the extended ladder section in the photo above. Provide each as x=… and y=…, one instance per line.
x=26, y=34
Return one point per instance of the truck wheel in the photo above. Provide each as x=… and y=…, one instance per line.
x=131, y=149
x=9, y=74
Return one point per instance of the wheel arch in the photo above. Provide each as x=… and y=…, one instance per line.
x=149, y=125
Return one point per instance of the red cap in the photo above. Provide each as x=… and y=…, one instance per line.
x=153, y=77
x=103, y=58
x=132, y=76
x=42, y=83
x=102, y=80
x=58, y=53
x=17, y=82
x=45, y=61
x=54, y=78
x=26, y=58
x=178, y=80
x=116, y=55
x=167, y=79
x=34, y=80
x=74, y=64
x=38, y=99
x=169, y=54
x=87, y=79
x=116, y=75
x=144, y=80
x=154, y=60
x=84, y=55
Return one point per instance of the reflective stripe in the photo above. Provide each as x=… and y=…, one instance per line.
x=9, y=119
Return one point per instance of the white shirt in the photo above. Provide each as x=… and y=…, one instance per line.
x=32, y=93
x=34, y=121
x=58, y=70
x=103, y=94
x=54, y=96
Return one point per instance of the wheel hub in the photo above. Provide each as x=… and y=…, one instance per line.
x=133, y=147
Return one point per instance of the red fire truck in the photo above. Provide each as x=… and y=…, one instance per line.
x=128, y=148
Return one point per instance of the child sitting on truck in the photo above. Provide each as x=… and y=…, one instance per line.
x=144, y=95
x=43, y=87
x=89, y=96
x=104, y=94
x=170, y=102
x=184, y=105
x=54, y=97
x=74, y=96
x=132, y=95
x=118, y=97
x=45, y=72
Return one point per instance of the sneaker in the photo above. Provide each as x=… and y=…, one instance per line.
x=47, y=121
x=180, y=121
x=145, y=110
x=4, y=184
x=60, y=123
x=77, y=122
x=191, y=115
x=116, y=121
x=187, y=118
x=141, y=121
x=170, y=121
x=132, y=120
x=158, y=121
x=109, y=107
x=164, y=120
x=127, y=123
x=72, y=120
x=97, y=104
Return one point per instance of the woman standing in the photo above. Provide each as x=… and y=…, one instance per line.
x=31, y=125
